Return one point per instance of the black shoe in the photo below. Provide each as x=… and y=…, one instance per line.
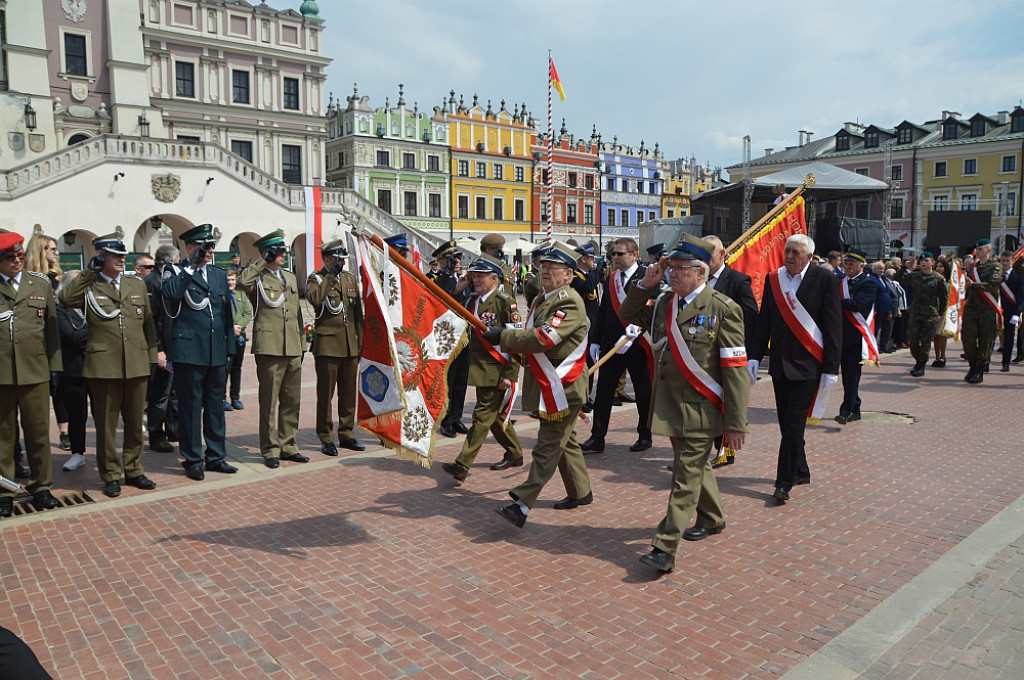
x=296, y=458
x=228, y=406
x=112, y=489
x=699, y=533
x=353, y=445
x=984, y=367
x=456, y=470
x=843, y=418
x=1005, y=368
x=140, y=482
x=800, y=480
x=329, y=449
x=660, y=560
x=592, y=446
x=6, y=506
x=641, y=445
x=237, y=404
x=162, y=446
x=44, y=500
x=445, y=431
x=512, y=513
x=65, y=441
x=460, y=428
x=852, y=417
x=939, y=363
x=272, y=463
x=195, y=471
x=978, y=376
x=534, y=414
x=568, y=503
x=781, y=494
x=221, y=466
x=918, y=370
x=588, y=407
x=1017, y=359
x=506, y=463
x=616, y=401
x=628, y=399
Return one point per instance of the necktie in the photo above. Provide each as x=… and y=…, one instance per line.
x=711, y=281
x=14, y=283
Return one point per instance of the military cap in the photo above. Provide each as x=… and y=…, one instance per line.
x=446, y=249
x=571, y=242
x=982, y=242
x=692, y=248
x=492, y=241
x=585, y=250
x=110, y=243
x=926, y=254
x=198, y=234
x=335, y=248
x=560, y=252
x=486, y=264
x=11, y=243
x=538, y=251
x=274, y=238
x=657, y=250
x=398, y=241
x=855, y=254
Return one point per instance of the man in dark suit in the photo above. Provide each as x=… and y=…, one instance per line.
x=587, y=281
x=634, y=357
x=198, y=302
x=804, y=354
x=858, y=298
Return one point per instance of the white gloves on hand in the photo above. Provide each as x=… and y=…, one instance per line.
x=752, y=366
x=632, y=332
x=595, y=352
x=831, y=379
x=1014, y=320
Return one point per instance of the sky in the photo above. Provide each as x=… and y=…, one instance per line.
x=693, y=77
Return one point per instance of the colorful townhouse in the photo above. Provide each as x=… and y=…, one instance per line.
x=576, y=187
x=633, y=180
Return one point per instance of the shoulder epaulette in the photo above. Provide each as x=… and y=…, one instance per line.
x=563, y=294
x=503, y=295
x=42, y=276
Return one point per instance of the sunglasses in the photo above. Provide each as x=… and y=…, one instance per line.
x=621, y=253
x=146, y=266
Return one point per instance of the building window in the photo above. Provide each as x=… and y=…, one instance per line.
x=434, y=205
x=871, y=140
x=842, y=142
x=519, y=174
x=896, y=209
x=520, y=208
x=384, y=200
x=463, y=207
x=861, y=209
x=862, y=171
x=242, y=148
x=291, y=163
x=940, y=168
x=544, y=177
x=74, y=55
x=625, y=187
x=499, y=171
x=624, y=214
x=434, y=163
x=904, y=136
x=341, y=159
x=978, y=127
x=570, y=213
x=481, y=170
x=184, y=79
x=897, y=173
x=610, y=183
x=588, y=214
x=543, y=211
x=383, y=159
x=651, y=215
x=481, y=208
x=611, y=217
x=410, y=204
x=3, y=52
x=409, y=161
x=588, y=181
x=572, y=180
x=671, y=213
x=949, y=130
x=463, y=168
x=291, y=93
x=240, y=87
x=640, y=186
x=1009, y=164
x=499, y=209
x=1011, y=203
x=1017, y=123
x=940, y=203
x=970, y=166
x=969, y=201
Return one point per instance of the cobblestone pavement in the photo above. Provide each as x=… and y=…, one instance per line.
x=901, y=559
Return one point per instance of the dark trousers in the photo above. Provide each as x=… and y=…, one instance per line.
x=235, y=374
x=635, y=363
x=17, y=660
x=458, y=378
x=60, y=411
x=793, y=400
x=74, y=393
x=200, y=391
x=884, y=335
x=1009, y=331
x=161, y=406
x=851, y=369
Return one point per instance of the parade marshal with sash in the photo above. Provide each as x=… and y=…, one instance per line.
x=554, y=344
x=700, y=390
x=802, y=318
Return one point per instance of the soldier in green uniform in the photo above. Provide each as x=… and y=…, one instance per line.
x=980, y=315
x=555, y=338
x=278, y=346
x=338, y=308
x=493, y=373
x=29, y=353
x=531, y=281
x=492, y=244
x=701, y=387
x=931, y=295
x=118, y=355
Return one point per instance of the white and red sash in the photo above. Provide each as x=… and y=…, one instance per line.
x=796, y=317
x=618, y=297
x=1008, y=294
x=553, y=379
x=866, y=327
x=817, y=409
x=988, y=297
x=688, y=367
x=502, y=358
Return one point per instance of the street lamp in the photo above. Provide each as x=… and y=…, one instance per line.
x=143, y=125
x=30, y=115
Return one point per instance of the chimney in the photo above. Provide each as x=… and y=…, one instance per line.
x=951, y=114
x=1003, y=117
x=768, y=151
x=803, y=137
x=809, y=135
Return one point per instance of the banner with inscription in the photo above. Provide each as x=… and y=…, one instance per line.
x=763, y=252
x=425, y=335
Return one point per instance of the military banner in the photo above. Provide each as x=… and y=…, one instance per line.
x=379, y=386
x=955, y=309
x=762, y=252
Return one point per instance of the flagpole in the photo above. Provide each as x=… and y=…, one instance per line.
x=551, y=153
x=777, y=210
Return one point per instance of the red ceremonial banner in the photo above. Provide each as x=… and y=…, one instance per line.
x=763, y=252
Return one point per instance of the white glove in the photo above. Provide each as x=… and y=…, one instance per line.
x=831, y=379
x=752, y=366
x=595, y=352
x=633, y=331
x=1014, y=320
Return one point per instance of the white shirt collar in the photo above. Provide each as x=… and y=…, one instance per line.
x=718, y=274
x=116, y=280
x=483, y=298
x=689, y=298
x=803, y=272
x=632, y=270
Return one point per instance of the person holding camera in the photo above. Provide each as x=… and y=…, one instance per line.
x=197, y=302
x=338, y=334
x=278, y=345
x=241, y=313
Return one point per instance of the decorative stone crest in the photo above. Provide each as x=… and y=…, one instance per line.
x=79, y=91
x=166, y=187
x=73, y=9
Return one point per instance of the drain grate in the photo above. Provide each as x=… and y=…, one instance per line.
x=887, y=418
x=65, y=500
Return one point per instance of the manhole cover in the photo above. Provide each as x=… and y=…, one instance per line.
x=887, y=417
x=65, y=500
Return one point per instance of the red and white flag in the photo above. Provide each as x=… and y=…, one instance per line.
x=314, y=227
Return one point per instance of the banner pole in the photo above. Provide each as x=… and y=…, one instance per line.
x=745, y=236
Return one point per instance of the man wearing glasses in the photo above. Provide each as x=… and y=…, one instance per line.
x=634, y=357
x=143, y=265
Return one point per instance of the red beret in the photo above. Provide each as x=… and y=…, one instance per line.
x=9, y=240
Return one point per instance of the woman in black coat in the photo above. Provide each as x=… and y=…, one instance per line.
x=74, y=333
